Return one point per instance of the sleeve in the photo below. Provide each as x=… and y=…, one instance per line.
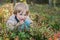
x=28, y=18
x=28, y=21
x=10, y=25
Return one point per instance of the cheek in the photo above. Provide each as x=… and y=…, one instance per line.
x=25, y=17
x=21, y=17
x=18, y=16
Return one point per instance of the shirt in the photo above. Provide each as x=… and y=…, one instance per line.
x=12, y=22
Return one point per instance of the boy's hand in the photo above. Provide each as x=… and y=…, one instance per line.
x=21, y=22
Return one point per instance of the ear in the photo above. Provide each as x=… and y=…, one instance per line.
x=29, y=14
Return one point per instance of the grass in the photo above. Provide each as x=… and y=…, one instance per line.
x=45, y=10
x=45, y=21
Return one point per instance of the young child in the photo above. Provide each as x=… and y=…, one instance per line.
x=20, y=18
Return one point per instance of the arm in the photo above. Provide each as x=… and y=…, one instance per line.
x=10, y=25
x=18, y=24
x=28, y=21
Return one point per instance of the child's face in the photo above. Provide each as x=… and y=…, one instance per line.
x=22, y=15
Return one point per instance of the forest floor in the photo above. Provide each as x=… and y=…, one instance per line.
x=46, y=21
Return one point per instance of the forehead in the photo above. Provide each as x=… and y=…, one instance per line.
x=21, y=7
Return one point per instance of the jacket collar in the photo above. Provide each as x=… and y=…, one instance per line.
x=16, y=19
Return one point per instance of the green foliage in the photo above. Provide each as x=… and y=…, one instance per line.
x=41, y=32
x=1, y=38
x=7, y=1
x=23, y=35
x=45, y=24
x=46, y=15
x=13, y=35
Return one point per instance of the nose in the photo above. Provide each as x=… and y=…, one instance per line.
x=23, y=17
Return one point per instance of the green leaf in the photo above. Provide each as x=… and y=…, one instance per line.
x=13, y=35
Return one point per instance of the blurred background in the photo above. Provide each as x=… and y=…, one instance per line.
x=44, y=13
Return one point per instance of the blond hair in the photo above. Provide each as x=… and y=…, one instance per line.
x=20, y=6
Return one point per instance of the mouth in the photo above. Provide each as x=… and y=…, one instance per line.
x=22, y=20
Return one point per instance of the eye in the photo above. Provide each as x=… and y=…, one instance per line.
x=20, y=14
x=19, y=11
x=25, y=14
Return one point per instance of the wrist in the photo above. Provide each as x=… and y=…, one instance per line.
x=18, y=24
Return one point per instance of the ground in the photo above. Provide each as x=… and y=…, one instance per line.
x=45, y=22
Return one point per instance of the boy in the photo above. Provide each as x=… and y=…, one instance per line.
x=20, y=19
